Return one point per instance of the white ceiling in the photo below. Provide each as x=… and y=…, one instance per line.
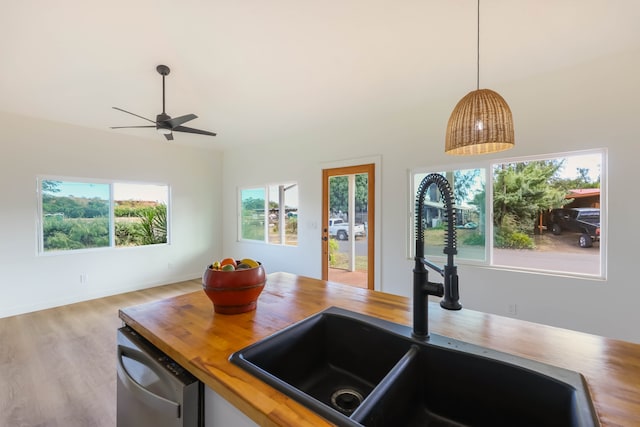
x=256, y=71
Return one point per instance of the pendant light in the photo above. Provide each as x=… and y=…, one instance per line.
x=481, y=122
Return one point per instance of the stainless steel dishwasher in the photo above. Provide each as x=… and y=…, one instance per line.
x=153, y=390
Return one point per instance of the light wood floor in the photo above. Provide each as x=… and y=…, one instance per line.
x=58, y=366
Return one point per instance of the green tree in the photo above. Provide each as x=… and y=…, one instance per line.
x=252, y=204
x=521, y=191
x=362, y=192
x=67, y=206
x=96, y=208
x=50, y=186
x=463, y=183
x=339, y=193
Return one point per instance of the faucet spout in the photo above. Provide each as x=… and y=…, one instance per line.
x=422, y=288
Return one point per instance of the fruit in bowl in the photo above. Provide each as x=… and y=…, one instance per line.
x=233, y=286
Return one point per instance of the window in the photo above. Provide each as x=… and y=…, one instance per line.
x=89, y=214
x=545, y=213
x=261, y=217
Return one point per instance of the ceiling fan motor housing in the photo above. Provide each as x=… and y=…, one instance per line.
x=161, y=124
x=162, y=117
x=163, y=70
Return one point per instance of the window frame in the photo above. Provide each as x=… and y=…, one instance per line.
x=488, y=165
x=40, y=250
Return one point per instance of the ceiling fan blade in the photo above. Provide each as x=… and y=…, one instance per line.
x=177, y=121
x=169, y=136
x=133, y=114
x=131, y=127
x=192, y=130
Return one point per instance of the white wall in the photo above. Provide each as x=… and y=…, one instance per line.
x=31, y=147
x=590, y=106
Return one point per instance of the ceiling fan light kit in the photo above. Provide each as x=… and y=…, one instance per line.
x=481, y=122
x=164, y=124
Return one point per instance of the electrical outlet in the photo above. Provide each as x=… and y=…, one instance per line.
x=169, y=266
x=512, y=309
x=84, y=278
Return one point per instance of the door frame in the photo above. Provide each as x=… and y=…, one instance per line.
x=369, y=169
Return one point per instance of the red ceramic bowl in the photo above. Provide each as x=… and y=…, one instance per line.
x=233, y=292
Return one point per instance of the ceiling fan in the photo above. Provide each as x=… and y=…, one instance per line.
x=163, y=123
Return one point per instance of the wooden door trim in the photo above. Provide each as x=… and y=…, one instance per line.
x=369, y=169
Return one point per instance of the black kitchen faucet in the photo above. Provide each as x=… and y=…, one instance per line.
x=422, y=287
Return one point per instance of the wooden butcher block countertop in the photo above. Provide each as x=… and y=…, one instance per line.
x=187, y=329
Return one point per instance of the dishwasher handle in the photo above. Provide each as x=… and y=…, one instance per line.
x=158, y=403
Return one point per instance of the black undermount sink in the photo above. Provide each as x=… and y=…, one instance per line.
x=357, y=370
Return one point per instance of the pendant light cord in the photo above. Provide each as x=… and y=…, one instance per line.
x=163, y=112
x=478, y=50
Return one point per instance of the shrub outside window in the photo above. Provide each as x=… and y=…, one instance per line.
x=87, y=214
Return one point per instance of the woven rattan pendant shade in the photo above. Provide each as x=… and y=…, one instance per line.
x=480, y=123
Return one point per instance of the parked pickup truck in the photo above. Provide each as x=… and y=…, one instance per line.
x=340, y=229
x=585, y=221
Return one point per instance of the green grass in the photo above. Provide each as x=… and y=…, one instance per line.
x=342, y=261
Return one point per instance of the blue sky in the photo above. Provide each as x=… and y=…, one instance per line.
x=122, y=191
x=589, y=161
x=291, y=200
x=83, y=189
